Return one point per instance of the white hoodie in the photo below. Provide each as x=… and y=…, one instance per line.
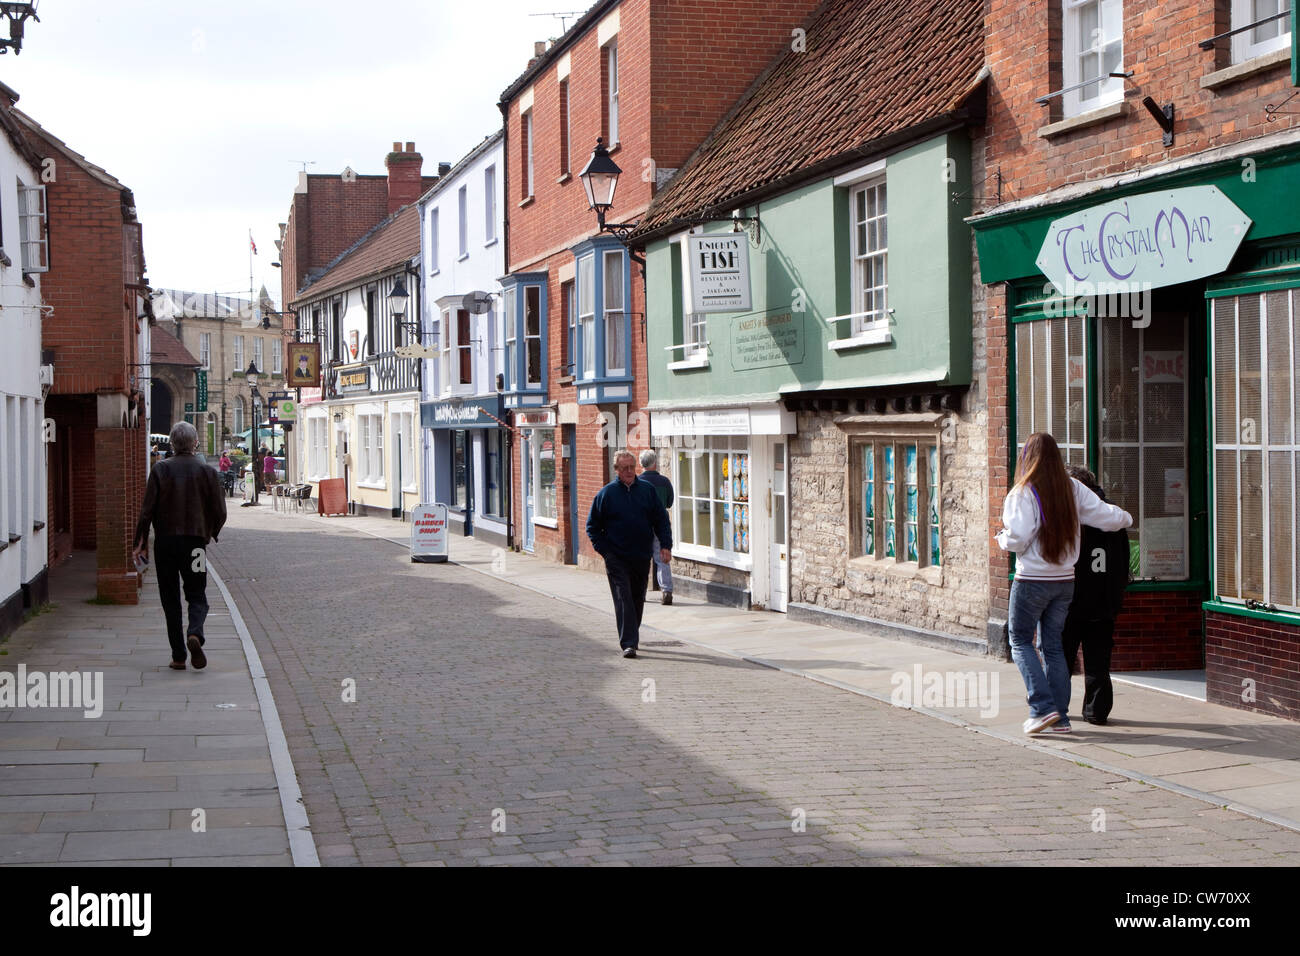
x=1021, y=519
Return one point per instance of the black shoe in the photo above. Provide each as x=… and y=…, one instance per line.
x=198, y=660
x=667, y=598
x=629, y=652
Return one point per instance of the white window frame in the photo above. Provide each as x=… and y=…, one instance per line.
x=237, y=416
x=1264, y=445
x=586, y=288
x=205, y=349
x=862, y=256
x=686, y=451
x=512, y=339
x=239, y=354
x=433, y=242
x=611, y=64
x=1244, y=45
x=1108, y=34
x=32, y=230
x=317, y=448
x=526, y=119
x=370, y=444
x=539, y=337
x=546, y=520
x=490, y=205
x=615, y=318
x=462, y=206
x=406, y=436
x=277, y=357
x=258, y=354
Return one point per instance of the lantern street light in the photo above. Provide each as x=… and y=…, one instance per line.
x=16, y=13
x=600, y=180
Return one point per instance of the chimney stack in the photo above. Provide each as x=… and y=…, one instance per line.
x=404, y=182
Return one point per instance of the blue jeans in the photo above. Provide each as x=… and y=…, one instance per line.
x=1041, y=606
x=665, y=571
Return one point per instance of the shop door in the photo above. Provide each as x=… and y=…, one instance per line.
x=571, y=476
x=780, y=551
x=526, y=473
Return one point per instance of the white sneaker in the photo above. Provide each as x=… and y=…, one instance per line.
x=1036, y=725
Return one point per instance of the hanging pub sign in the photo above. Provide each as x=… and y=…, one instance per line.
x=304, y=363
x=719, y=273
x=1143, y=242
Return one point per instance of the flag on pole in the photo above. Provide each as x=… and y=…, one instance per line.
x=251, y=243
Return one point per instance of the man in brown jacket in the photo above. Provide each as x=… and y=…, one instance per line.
x=184, y=503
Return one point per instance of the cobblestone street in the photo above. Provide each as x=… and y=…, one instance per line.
x=494, y=725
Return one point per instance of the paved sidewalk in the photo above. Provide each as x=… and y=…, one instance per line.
x=1245, y=761
x=127, y=787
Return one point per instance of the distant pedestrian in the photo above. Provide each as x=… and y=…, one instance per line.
x=183, y=503
x=664, y=486
x=224, y=464
x=1040, y=522
x=268, y=470
x=625, y=516
x=1100, y=577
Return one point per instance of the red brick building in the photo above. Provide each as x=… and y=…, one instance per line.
x=651, y=79
x=1137, y=152
x=94, y=333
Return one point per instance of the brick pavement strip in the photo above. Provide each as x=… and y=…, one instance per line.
x=436, y=716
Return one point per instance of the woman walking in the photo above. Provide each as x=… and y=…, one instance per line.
x=1040, y=523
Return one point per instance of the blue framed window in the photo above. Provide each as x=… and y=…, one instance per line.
x=525, y=308
x=603, y=333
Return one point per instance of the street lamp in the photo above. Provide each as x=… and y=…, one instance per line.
x=398, y=298
x=600, y=180
x=16, y=14
x=251, y=376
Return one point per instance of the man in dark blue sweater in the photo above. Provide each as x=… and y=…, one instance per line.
x=626, y=515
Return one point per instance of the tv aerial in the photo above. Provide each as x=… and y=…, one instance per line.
x=562, y=16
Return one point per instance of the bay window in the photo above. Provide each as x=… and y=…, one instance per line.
x=587, y=314
x=615, y=320
x=512, y=341
x=533, y=334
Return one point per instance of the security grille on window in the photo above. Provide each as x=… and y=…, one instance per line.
x=587, y=314
x=31, y=228
x=870, y=256
x=899, y=513
x=712, y=508
x=615, y=321
x=1051, y=384
x=1256, y=386
x=1093, y=48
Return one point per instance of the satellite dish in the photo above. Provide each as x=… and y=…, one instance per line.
x=477, y=302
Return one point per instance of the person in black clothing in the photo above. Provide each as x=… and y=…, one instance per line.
x=184, y=504
x=663, y=485
x=1100, y=577
x=625, y=515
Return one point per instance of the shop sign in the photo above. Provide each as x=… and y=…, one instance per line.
x=429, y=533
x=713, y=421
x=286, y=410
x=541, y=418
x=468, y=413
x=1143, y=242
x=201, y=390
x=719, y=273
x=354, y=379
x=763, y=341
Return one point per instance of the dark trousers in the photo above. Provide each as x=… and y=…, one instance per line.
x=1097, y=640
x=628, y=578
x=175, y=561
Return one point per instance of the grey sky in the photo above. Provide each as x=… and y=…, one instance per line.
x=203, y=108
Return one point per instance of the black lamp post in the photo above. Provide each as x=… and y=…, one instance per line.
x=16, y=13
x=600, y=180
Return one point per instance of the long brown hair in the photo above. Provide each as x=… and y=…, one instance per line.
x=1042, y=473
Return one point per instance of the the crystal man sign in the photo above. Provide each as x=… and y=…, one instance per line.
x=1143, y=242
x=719, y=273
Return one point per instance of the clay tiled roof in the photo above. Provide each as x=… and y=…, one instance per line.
x=166, y=349
x=389, y=244
x=871, y=70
